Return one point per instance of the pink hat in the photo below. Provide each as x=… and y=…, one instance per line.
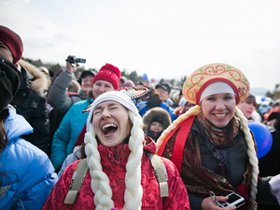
x=12, y=41
x=109, y=73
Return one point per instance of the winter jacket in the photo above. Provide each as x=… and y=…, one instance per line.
x=113, y=163
x=27, y=175
x=68, y=132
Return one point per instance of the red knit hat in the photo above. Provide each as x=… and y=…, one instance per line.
x=13, y=41
x=109, y=73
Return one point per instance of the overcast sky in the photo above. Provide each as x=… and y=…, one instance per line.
x=162, y=38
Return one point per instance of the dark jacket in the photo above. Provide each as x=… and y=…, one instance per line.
x=32, y=105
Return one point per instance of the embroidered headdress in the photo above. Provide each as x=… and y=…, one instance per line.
x=200, y=79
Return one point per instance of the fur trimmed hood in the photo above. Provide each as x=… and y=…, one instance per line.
x=159, y=113
x=39, y=82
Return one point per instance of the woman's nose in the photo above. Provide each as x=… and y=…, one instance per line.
x=220, y=104
x=106, y=113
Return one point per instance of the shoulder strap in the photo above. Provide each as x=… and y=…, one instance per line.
x=178, y=149
x=76, y=182
x=179, y=144
x=161, y=174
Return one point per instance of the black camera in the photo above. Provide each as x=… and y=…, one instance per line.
x=73, y=60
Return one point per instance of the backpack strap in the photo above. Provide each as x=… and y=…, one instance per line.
x=161, y=174
x=76, y=182
x=81, y=170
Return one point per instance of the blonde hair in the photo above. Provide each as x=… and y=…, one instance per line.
x=253, y=160
x=195, y=110
x=100, y=181
x=251, y=151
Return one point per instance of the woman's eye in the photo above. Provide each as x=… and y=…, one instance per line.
x=97, y=112
x=210, y=99
x=228, y=98
x=114, y=107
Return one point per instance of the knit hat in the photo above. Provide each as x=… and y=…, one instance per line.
x=116, y=96
x=109, y=73
x=215, y=88
x=9, y=82
x=12, y=41
x=200, y=79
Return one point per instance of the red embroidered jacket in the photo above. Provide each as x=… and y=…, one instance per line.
x=113, y=161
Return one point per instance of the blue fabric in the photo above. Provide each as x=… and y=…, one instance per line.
x=26, y=173
x=66, y=136
x=143, y=108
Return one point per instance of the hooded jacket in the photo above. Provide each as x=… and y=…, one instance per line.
x=27, y=175
x=156, y=114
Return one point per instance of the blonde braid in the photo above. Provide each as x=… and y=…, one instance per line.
x=253, y=160
x=134, y=191
x=99, y=180
x=195, y=110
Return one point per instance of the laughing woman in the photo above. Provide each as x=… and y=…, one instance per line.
x=119, y=172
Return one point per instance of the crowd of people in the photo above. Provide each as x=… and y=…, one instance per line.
x=103, y=141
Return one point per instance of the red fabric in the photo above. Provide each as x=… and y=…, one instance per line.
x=81, y=137
x=178, y=151
x=113, y=163
x=243, y=190
x=180, y=141
x=13, y=41
x=72, y=94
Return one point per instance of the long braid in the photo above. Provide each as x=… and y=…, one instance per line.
x=195, y=110
x=99, y=180
x=134, y=191
x=253, y=160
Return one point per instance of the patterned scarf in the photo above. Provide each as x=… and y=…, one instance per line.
x=220, y=136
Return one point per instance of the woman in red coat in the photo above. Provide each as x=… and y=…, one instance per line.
x=120, y=175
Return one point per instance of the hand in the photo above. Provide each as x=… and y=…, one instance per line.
x=70, y=68
x=209, y=204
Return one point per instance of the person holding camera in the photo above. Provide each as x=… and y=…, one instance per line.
x=61, y=97
x=58, y=95
x=211, y=143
